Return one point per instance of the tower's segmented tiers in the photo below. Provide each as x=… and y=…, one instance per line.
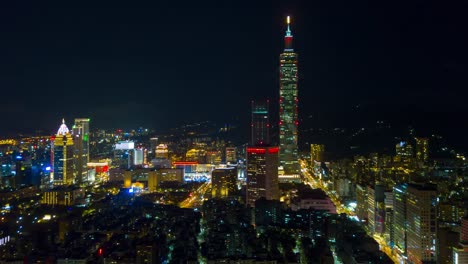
x=288, y=115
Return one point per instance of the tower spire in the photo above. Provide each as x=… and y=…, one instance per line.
x=288, y=37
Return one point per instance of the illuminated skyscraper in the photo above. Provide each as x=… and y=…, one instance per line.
x=288, y=107
x=260, y=123
x=262, y=173
x=399, y=219
x=422, y=149
x=421, y=219
x=62, y=157
x=316, y=152
x=81, y=142
x=223, y=182
x=404, y=151
x=123, y=153
x=415, y=222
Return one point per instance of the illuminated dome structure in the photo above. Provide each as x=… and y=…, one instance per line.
x=63, y=129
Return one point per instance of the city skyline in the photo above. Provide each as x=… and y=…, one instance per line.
x=150, y=62
x=332, y=171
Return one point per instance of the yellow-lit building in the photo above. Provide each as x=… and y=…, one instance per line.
x=223, y=182
x=404, y=152
x=231, y=155
x=197, y=155
x=61, y=196
x=62, y=157
x=422, y=149
x=316, y=153
x=151, y=178
x=162, y=152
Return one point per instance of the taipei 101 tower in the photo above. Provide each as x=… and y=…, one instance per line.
x=288, y=119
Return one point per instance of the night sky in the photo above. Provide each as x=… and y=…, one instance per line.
x=164, y=63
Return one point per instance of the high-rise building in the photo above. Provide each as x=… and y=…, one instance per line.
x=316, y=152
x=231, y=155
x=123, y=153
x=138, y=156
x=262, y=173
x=376, y=208
x=362, y=203
x=288, y=102
x=404, y=151
x=62, y=157
x=415, y=222
x=399, y=219
x=81, y=142
x=223, y=182
x=421, y=219
x=371, y=209
x=422, y=149
x=260, y=134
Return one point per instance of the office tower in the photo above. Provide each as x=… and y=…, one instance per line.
x=81, y=143
x=415, y=222
x=123, y=153
x=223, y=182
x=388, y=230
x=371, y=209
x=380, y=209
x=231, y=155
x=138, y=156
x=422, y=149
x=399, y=219
x=288, y=123
x=260, y=134
x=62, y=157
x=362, y=203
x=404, y=151
x=262, y=173
x=316, y=153
x=421, y=219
